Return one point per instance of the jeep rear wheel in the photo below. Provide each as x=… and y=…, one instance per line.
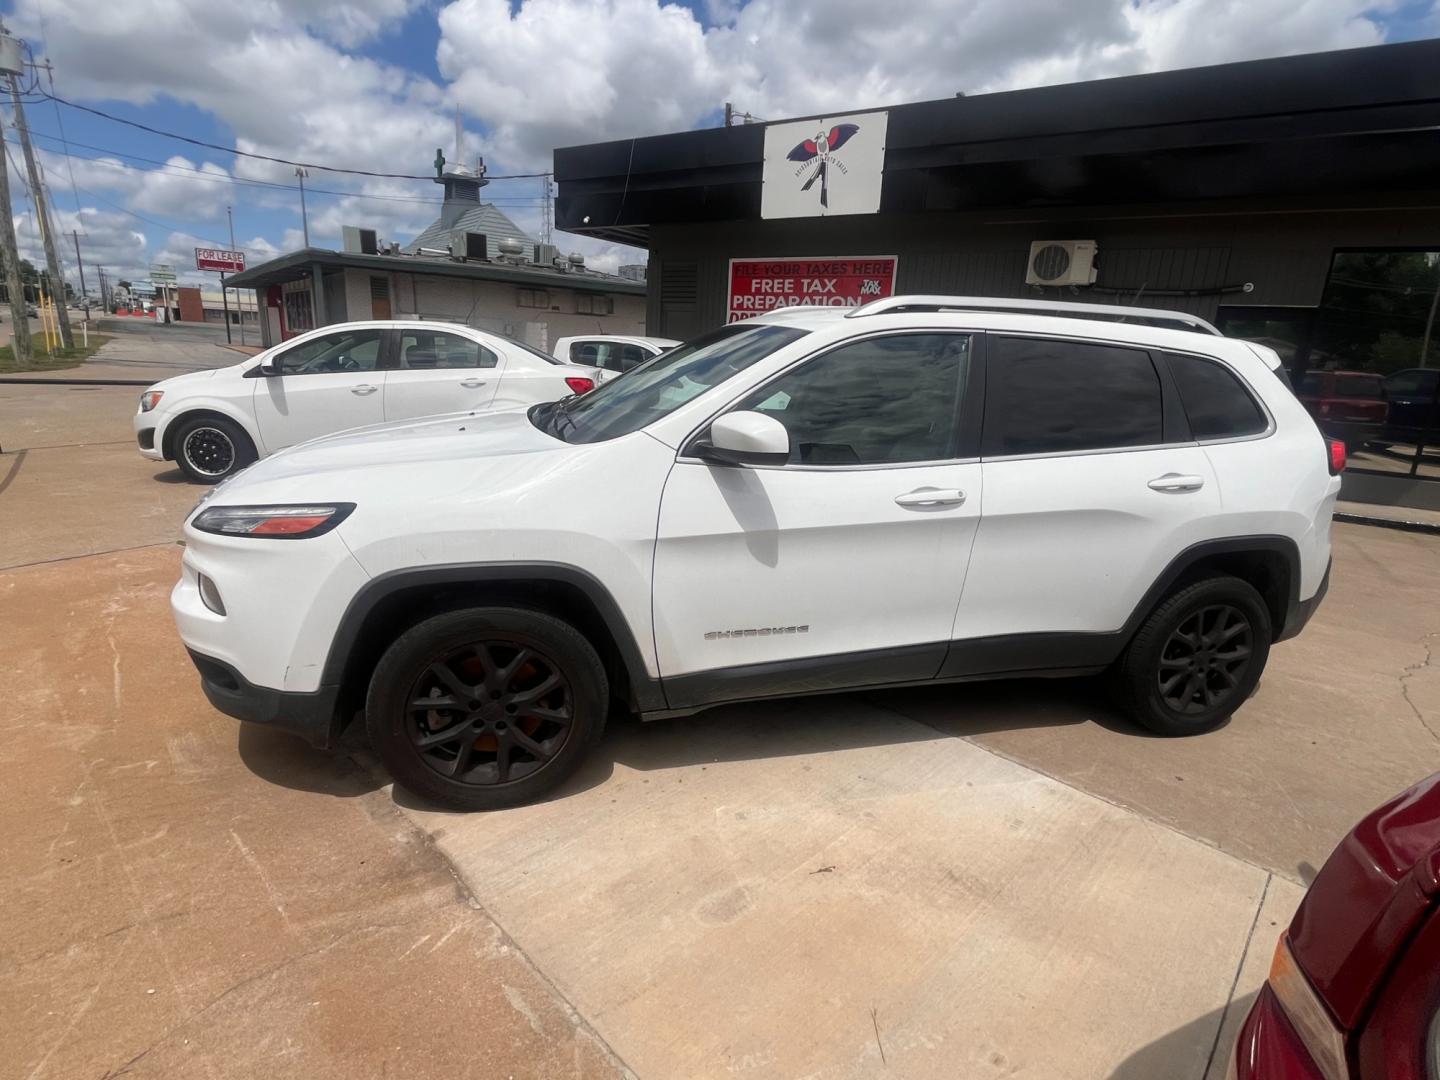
x=1197, y=658
x=486, y=708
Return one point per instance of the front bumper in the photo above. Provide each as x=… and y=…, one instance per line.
x=148, y=435
x=1301, y=611
x=312, y=716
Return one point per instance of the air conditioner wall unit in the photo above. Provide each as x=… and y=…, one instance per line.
x=1062, y=262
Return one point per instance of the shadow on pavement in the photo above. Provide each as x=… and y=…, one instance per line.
x=172, y=476
x=757, y=730
x=1192, y=1052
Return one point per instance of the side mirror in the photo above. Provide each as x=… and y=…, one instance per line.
x=746, y=438
x=263, y=370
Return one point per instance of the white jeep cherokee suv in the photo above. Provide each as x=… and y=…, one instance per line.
x=922, y=490
x=348, y=375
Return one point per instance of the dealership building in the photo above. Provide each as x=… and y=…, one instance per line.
x=1293, y=201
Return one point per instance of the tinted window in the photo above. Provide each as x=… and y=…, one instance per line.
x=1358, y=386
x=1411, y=383
x=344, y=350
x=1055, y=396
x=1217, y=405
x=426, y=349
x=881, y=401
x=609, y=355
x=660, y=387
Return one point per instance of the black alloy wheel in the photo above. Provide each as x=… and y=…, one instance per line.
x=488, y=707
x=1196, y=658
x=490, y=713
x=210, y=448
x=1206, y=658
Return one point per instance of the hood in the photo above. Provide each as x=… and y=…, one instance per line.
x=452, y=438
x=192, y=377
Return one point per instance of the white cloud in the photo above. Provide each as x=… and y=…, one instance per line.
x=107, y=239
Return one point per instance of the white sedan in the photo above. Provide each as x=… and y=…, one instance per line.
x=214, y=423
x=611, y=354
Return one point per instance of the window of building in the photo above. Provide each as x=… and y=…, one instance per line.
x=344, y=350
x=594, y=305
x=1062, y=396
x=428, y=349
x=1217, y=405
x=885, y=400
x=299, y=312
x=1378, y=336
x=533, y=298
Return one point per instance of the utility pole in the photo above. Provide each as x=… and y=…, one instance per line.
x=19, y=323
x=240, y=306
x=52, y=258
x=84, y=293
x=304, y=220
x=729, y=114
x=546, y=190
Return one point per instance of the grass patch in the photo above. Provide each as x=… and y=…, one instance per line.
x=62, y=358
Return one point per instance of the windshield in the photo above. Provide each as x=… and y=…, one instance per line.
x=662, y=384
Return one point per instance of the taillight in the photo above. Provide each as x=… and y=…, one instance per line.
x=1337, y=455
x=1307, y=1013
x=579, y=384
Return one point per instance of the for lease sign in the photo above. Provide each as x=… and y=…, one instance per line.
x=761, y=285
x=227, y=262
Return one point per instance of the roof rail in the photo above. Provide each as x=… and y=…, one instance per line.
x=1176, y=320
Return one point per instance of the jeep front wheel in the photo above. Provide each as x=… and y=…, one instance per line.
x=1197, y=658
x=486, y=708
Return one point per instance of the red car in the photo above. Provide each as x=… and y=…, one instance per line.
x=1354, y=990
x=1348, y=405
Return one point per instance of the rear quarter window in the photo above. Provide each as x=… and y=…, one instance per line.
x=1216, y=403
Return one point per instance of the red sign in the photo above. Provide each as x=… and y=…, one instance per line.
x=761, y=285
x=227, y=262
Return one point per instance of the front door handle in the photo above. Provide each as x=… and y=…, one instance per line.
x=1176, y=483
x=363, y=388
x=472, y=384
x=931, y=497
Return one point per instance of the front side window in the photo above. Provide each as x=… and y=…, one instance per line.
x=344, y=350
x=880, y=401
x=1217, y=405
x=428, y=349
x=661, y=386
x=1047, y=397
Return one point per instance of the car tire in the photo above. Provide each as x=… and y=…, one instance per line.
x=210, y=448
x=496, y=736
x=1197, y=658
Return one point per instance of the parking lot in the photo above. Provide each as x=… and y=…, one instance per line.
x=992, y=880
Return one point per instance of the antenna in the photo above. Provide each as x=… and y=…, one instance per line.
x=546, y=190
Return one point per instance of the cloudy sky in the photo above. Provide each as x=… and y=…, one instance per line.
x=374, y=84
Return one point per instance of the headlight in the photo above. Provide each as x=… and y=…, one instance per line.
x=149, y=399
x=273, y=522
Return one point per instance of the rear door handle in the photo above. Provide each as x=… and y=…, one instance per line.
x=363, y=388
x=1176, y=483
x=931, y=497
x=472, y=384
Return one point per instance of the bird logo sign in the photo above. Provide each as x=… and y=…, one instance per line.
x=816, y=155
x=824, y=165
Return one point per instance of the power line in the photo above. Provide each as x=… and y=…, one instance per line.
x=263, y=157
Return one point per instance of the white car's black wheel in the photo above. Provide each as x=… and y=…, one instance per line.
x=210, y=448
x=486, y=708
x=1197, y=658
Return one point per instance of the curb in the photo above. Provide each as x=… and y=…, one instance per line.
x=1429, y=528
x=15, y=380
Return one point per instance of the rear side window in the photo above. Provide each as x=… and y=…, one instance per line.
x=1358, y=386
x=1218, y=406
x=1064, y=396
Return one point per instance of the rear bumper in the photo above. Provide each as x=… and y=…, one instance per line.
x=1301, y=611
x=312, y=715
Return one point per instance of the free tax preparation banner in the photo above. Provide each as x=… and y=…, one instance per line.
x=761, y=285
